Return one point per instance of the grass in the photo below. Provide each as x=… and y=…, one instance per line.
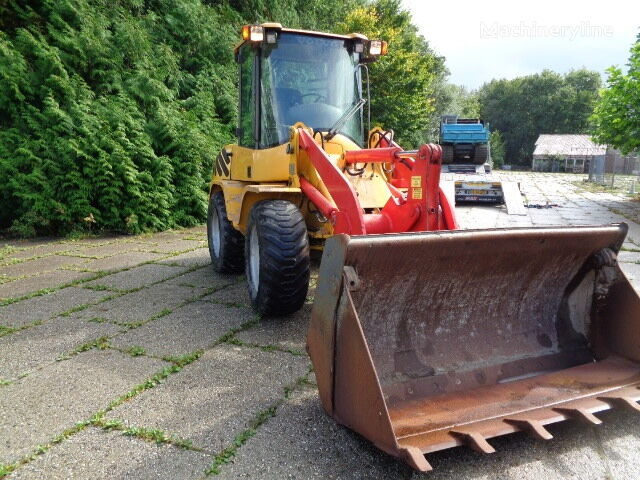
x=7, y=330
x=97, y=288
x=153, y=435
x=77, y=308
x=8, y=250
x=6, y=279
x=622, y=184
x=136, y=351
x=101, y=343
x=227, y=455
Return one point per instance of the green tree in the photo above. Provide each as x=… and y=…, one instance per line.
x=496, y=144
x=461, y=102
x=523, y=108
x=407, y=82
x=616, y=118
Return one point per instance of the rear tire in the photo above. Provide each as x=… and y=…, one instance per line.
x=480, y=154
x=226, y=244
x=277, y=258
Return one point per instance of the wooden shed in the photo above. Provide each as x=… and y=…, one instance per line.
x=566, y=153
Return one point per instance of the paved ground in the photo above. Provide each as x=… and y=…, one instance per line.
x=127, y=357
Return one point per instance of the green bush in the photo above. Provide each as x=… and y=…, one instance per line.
x=111, y=113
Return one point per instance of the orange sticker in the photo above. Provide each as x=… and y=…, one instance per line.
x=416, y=181
x=416, y=193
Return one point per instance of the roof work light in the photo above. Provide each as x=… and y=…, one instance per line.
x=377, y=47
x=253, y=33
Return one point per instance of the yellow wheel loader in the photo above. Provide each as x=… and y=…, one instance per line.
x=422, y=337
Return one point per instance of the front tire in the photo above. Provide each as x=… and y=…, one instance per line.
x=226, y=244
x=277, y=258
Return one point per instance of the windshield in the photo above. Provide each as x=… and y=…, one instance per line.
x=308, y=79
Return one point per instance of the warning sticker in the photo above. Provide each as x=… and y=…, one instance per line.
x=416, y=193
x=416, y=181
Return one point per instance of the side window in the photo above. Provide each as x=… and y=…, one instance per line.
x=271, y=125
x=247, y=104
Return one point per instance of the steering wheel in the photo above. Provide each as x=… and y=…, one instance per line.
x=317, y=97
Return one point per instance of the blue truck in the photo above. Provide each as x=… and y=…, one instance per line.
x=464, y=140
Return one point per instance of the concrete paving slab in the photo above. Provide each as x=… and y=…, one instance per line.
x=204, y=278
x=142, y=304
x=187, y=329
x=47, y=306
x=26, y=350
x=95, y=241
x=631, y=270
x=174, y=245
x=35, y=251
x=236, y=294
x=44, y=404
x=40, y=265
x=288, y=332
x=125, y=260
x=25, y=286
x=214, y=399
x=629, y=257
x=137, y=277
x=195, y=258
x=166, y=236
x=51, y=280
x=94, y=453
x=301, y=441
x=108, y=249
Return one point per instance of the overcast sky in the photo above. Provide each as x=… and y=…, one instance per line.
x=486, y=39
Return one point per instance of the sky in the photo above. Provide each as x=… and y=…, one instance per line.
x=486, y=39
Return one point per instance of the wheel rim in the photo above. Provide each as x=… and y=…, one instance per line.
x=254, y=259
x=214, y=232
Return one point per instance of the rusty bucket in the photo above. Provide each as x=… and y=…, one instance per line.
x=422, y=342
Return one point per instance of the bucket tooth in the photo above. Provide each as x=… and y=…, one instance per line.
x=416, y=459
x=474, y=440
x=625, y=402
x=532, y=426
x=578, y=414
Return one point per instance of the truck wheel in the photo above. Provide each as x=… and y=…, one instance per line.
x=225, y=242
x=480, y=154
x=447, y=153
x=277, y=258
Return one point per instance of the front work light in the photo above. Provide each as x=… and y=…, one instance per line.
x=253, y=33
x=377, y=47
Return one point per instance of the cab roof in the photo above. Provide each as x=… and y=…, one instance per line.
x=279, y=28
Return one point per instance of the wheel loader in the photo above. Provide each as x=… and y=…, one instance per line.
x=422, y=336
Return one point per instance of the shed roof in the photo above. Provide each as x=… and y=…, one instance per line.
x=567, y=145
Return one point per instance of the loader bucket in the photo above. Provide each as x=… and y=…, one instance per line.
x=422, y=342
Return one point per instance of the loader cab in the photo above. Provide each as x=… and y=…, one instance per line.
x=289, y=76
